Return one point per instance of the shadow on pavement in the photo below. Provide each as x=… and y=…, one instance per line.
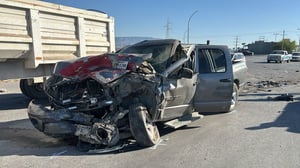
x=19, y=137
x=13, y=101
x=268, y=97
x=289, y=118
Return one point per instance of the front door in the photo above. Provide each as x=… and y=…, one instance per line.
x=179, y=97
x=215, y=79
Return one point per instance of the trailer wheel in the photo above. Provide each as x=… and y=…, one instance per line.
x=142, y=128
x=234, y=98
x=34, y=91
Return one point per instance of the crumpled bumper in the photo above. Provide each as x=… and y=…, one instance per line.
x=52, y=123
x=63, y=123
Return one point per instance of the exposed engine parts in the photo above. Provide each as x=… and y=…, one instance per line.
x=99, y=133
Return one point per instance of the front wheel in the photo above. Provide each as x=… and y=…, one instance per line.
x=142, y=127
x=34, y=91
x=234, y=97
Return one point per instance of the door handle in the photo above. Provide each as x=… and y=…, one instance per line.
x=225, y=80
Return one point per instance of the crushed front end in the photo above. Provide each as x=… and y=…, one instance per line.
x=90, y=98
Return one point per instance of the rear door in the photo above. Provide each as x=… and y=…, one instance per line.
x=215, y=79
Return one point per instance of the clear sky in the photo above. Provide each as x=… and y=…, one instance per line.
x=220, y=21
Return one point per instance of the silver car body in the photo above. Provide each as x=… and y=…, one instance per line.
x=240, y=69
x=296, y=56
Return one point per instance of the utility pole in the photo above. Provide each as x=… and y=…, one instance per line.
x=283, y=34
x=276, y=34
x=299, y=40
x=236, y=42
x=168, y=28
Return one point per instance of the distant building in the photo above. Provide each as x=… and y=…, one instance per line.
x=261, y=47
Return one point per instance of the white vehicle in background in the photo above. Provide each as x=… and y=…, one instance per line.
x=279, y=56
x=296, y=56
x=240, y=69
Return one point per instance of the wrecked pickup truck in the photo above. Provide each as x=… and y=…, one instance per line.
x=103, y=99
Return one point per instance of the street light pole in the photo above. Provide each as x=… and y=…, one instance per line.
x=188, y=30
x=298, y=49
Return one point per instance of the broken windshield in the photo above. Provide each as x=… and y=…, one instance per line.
x=160, y=54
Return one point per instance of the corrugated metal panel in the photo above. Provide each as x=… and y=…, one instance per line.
x=57, y=27
x=96, y=50
x=13, y=21
x=96, y=32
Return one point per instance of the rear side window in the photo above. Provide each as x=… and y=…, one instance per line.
x=211, y=61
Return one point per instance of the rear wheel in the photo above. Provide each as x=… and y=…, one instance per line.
x=142, y=127
x=234, y=97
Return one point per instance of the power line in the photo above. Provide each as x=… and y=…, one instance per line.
x=242, y=34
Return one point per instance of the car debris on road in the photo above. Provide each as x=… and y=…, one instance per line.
x=285, y=97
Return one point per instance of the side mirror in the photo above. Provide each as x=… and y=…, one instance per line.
x=185, y=73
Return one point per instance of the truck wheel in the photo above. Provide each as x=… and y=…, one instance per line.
x=34, y=91
x=268, y=61
x=234, y=98
x=142, y=127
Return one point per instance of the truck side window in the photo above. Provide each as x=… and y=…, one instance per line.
x=211, y=61
x=204, y=63
x=219, y=60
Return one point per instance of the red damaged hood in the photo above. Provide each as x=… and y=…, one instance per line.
x=103, y=68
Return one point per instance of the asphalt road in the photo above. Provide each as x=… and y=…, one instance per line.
x=261, y=132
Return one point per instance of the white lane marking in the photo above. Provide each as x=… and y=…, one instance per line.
x=57, y=154
x=159, y=143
